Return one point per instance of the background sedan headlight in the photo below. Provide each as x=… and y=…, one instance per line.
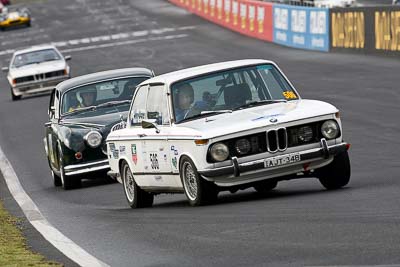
x=219, y=152
x=330, y=129
x=93, y=139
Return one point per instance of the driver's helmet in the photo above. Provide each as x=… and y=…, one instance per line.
x=86, y=90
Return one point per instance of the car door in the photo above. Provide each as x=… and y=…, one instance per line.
x=155, y=141
x=149, y=148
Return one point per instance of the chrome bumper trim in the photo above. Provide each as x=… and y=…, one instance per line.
x=86, y=167
x=237, y=169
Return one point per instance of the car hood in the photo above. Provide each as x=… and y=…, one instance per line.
x=72, y=130
x=37, y=68
x=261, y=116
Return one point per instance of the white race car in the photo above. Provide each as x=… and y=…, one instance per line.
x=224, y=126
x=36, y=69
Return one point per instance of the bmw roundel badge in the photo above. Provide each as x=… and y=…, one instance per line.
x=273, y=120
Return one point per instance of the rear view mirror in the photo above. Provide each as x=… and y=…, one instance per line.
x=4, y=69
x=67, y=58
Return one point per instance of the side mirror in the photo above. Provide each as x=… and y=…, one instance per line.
x=4, y=69
x=67, y=58
x=150, y=123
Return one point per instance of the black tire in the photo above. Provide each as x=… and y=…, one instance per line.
x=136, y=197
x=337, y=173
x=28, y=24
x=265, y=187
x=13, y=96
x=67, y=182
x=197, y=190
x=56, y=179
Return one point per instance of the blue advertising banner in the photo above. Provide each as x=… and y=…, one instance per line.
x=301, y=27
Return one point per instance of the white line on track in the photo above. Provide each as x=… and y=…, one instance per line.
x=106, y=38
x=35, y=217
x=84, y=48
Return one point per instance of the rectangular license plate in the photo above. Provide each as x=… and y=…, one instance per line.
x=282, y=160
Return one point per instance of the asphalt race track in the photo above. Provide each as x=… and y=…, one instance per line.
x=298, y=224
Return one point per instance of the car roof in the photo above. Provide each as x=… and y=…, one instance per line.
x=171, y=77
x=103, y=75
x=35, y=48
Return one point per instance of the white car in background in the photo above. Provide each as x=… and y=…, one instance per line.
x=36, y=69
x=224, y=126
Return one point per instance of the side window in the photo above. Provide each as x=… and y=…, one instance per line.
x=138, y=111
x=157, y=105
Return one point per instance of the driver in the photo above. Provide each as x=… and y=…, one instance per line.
x=87, y=97
x=184, y=99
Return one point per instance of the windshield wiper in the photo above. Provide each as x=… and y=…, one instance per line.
x=50, y=59
x=207, y=113
x=262, y=102
x=113, y=103
x=29, y=63
x=80, y=110
x=211, y=112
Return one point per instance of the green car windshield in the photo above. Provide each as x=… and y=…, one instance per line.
x=229, y=90
x=101, y=94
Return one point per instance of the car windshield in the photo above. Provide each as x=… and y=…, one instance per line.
x=230, y=90
x=100, y=95
x=35, y=57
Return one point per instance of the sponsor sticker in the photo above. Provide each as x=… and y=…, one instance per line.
x=175, y=162
x=122, y=150
x=134, y=153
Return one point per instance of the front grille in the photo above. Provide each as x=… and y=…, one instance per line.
x=14, y=22
x=54, y=74
x=24, y=79
x=39, y=77
x=277, y=140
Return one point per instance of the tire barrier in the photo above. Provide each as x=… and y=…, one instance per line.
x=360, y=29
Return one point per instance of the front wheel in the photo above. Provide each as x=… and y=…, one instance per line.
x=56, y=179
x=197, y=190
x=13, y=96
x=67, y=182
x=136, y=197
x=337, y=173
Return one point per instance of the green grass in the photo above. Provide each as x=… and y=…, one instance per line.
x=13, y=249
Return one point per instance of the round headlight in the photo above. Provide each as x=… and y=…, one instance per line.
x=305, y=134
x=93, y=139
x=243, y=146
x=219, y=152
x=330, y=129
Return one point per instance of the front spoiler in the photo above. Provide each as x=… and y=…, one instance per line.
x=238, y=169
x=83, y=168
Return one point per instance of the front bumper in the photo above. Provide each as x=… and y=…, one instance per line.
x=239, y=173
x=38, y=86
x=88, y=167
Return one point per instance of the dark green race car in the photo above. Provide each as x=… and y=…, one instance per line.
x=82, y=111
